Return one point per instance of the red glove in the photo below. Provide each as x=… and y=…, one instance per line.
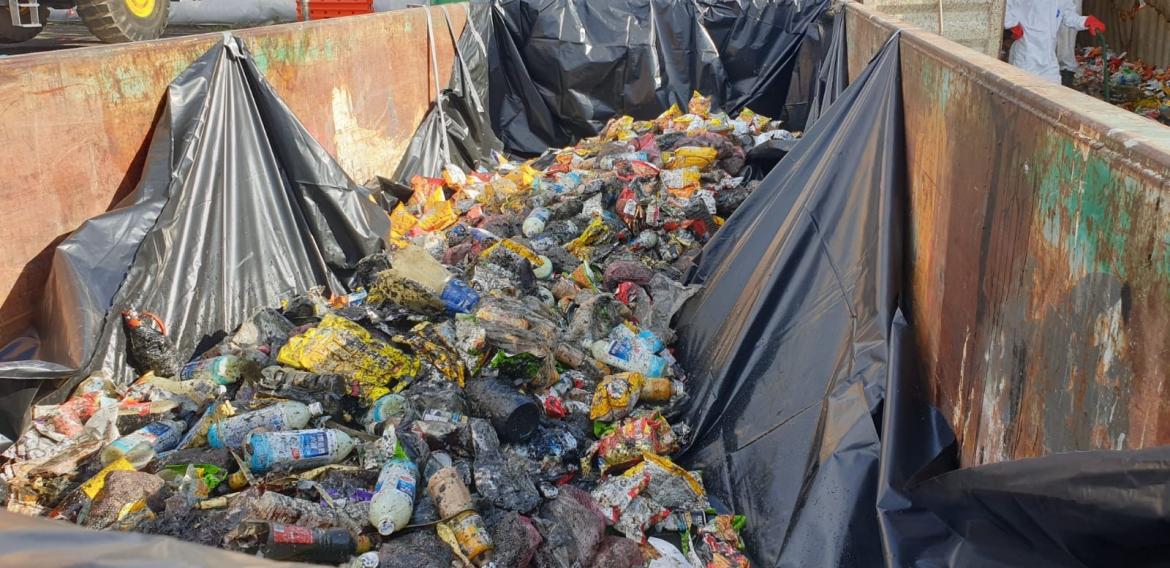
x=1094, y=25
x=1017, y=32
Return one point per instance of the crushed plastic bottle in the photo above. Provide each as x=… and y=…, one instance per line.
x=296, y=449
x=284, y=415
x=393, y=498
x=141, y=446
x=629, y=355
x=224, y=370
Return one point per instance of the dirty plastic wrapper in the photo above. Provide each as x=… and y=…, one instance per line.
x=341, y=347
x=167, y=249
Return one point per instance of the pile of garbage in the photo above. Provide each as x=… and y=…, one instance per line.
x=499, y=389
x=1133, y=85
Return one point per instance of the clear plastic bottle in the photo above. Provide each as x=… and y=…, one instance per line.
x=646, y=338
x=225, y=369
x=629, y=355
x=296, y=449
x=535, y=222
x=393, y=500
x=140, y=447
x=384, y=409
x=284, y=415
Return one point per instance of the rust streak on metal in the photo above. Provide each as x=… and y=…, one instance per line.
x=1040, y=246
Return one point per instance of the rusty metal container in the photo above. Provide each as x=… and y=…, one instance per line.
x=1040, y=245
x=1040, y=218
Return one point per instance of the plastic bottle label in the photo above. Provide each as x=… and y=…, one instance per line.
x=312, y=444
x=291, y=534
x=214, y=369
x=310, y=447
x=435, y=415
x=622, y=349
x=231, y=432
x=405, y=486
x=458, y=297
x=158, y=435
x=399, y=474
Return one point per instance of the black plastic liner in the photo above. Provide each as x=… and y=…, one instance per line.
x=559, y=69
x=238, y=208
x=809, y=415
x=545, y=73
x=457, y=130
x=786, y=344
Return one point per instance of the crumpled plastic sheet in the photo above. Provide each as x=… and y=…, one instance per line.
x=207, y=238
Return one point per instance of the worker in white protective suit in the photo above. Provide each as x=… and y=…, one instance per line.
x=1034, y=25
x=1066, y=48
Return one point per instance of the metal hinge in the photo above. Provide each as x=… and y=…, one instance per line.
x=34, y=14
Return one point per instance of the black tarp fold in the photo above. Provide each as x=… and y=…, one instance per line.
x=461, y=114
x=559, y=69
x=786, y=344
x=237, y=208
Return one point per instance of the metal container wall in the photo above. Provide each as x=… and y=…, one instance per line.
x=977, y=24
x=74, y=124
x=1143, y=33
x=1040, y=252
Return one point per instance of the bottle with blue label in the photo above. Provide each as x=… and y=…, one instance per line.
x=535, y=222
x=644, y=337
x=296, y=449
x=458, y=297
x=629, y=355
x=284, y=415
x=140, y=447
x=225, y=369
x=416, y=280
x=393, y=500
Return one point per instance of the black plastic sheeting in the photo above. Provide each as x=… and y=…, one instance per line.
x=786, y=343
x=832, y=72
x=809, y=415
x=541, y=73
x=559, y=69
x=238, y=207
x=461, y=114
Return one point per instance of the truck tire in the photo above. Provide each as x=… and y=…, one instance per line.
x=12, y=34
x=118, y=21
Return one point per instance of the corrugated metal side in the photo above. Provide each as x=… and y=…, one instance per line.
x=1143, y=33
x=977, y=24
x=74, y=123
x=1040, y=253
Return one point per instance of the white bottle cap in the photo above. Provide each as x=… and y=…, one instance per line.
x=367, y=560
x=386, y=527
x=315, y=409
